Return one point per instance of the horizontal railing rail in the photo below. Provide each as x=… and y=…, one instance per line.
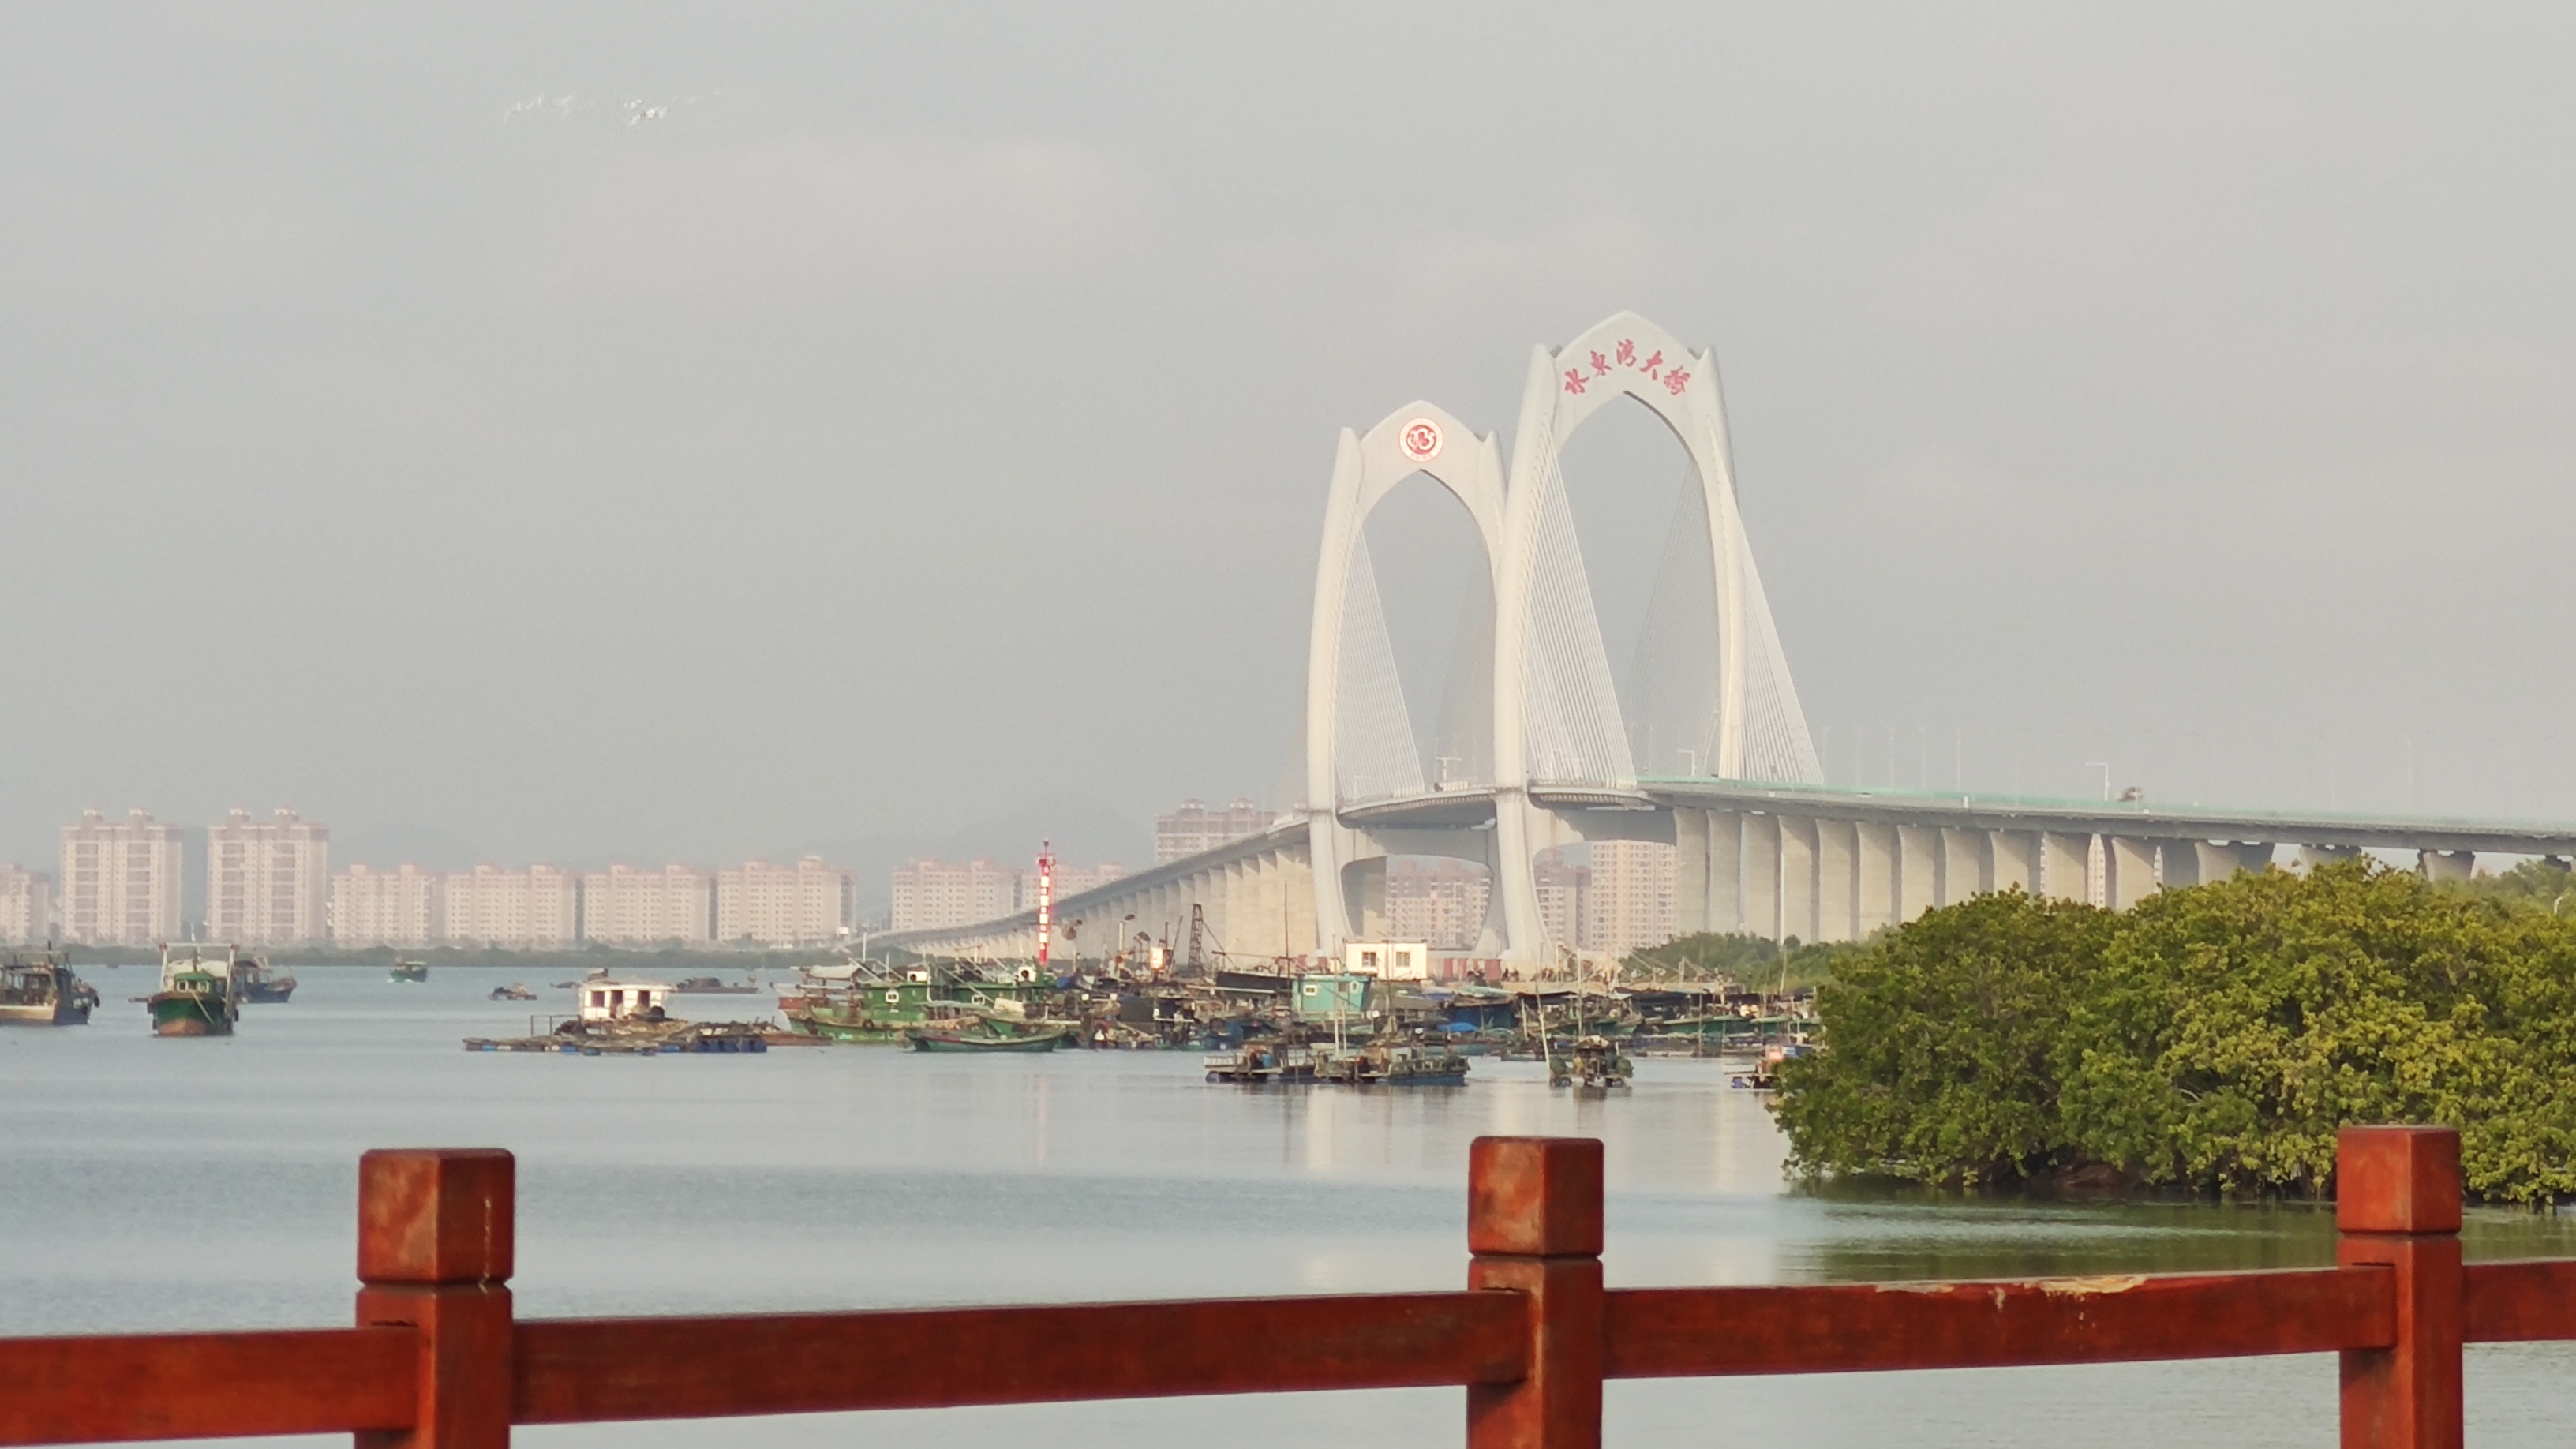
x=1699, y=1332
x=584, y=1370
x=439, y=1359
x=97, y=1388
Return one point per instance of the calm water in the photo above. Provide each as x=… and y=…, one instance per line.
x=150, y=1184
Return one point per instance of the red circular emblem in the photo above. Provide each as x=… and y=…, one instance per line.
x=1420, y=440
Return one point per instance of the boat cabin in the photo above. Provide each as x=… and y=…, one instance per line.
x=1347, y=997
x=605, y=998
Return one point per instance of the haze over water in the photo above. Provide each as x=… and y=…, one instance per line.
x=156, y=1184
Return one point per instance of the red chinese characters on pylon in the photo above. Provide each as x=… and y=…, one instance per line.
x=1624, y=356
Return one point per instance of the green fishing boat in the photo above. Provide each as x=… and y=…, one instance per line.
x=972, y=1033
x=403, y=970
x=196, y=996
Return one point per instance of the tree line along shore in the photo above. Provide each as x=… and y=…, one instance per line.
x=2209, y=1041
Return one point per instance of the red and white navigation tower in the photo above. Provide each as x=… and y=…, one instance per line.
x=1046, y=900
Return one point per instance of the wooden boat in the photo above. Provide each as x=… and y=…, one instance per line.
x=1261, y=1062
x=987, y=1034
x=43, y=992
x=257, y=984
x=403, y=970
x=636, y=1036
x=1390, y=1064
x=196, y=996
x=713, y=986
x=1588, y=1061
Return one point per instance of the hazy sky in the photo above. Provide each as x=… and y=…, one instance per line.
x=924, y=419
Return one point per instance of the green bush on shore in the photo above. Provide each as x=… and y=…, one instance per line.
x=2213, y=1039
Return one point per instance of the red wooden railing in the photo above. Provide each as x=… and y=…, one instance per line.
x=438, y=1359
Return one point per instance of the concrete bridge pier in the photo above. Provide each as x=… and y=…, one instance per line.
x=1877, y=862
x=1691, y=872
x=2220, y=861
x=2016, y=860
x=2129, y=870
x=1763, y=856
x=1837, y=899
x=1920, y=854
x=2178, y=863
x=1967, y=863
x=2066, y=865
x=1708, y=873
x=2450, y=865
x=1798, y=889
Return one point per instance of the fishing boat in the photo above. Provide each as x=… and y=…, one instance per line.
x=1588, y=1061
x=635, y=1036
x=513, y=992
x=1390, y=1064
x=715, y=986
x=403, y=970
x=1261, y=1062
x=865, y=1002
x=627, y=1016
x=259, y=984
x=196, y=996
x=43, y=992
x=1765, y=1075
x=987, y=1034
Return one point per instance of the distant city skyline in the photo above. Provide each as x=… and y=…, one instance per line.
x=271, y=882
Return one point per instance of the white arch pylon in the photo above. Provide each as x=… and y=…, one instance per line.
x=1416, y=438
x=1625, y=356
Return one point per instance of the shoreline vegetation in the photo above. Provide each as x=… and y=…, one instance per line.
x=2210, y=1041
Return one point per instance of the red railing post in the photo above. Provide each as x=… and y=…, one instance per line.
x=434, y=1236
x=2397, y=1204
x=1534, y=1227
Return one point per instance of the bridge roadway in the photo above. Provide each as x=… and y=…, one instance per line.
x=1820, y=864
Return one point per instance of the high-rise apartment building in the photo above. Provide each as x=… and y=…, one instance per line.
x=537, y=909
x=1563, y=885
x=403, y=907
x=933, y=895
x=807, y=903
x=268, y=882
x=119, y=884
x=624, y=906
x=26, y=906
x=1194, y=828
x=1629, y=903
x=1438, y=900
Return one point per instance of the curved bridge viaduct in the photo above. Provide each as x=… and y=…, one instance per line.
x=1721, y=767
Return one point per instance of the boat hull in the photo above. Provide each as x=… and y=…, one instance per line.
x=941, y=1041
x=182, y=1014
x=832, y=1026
x=51, y=1013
